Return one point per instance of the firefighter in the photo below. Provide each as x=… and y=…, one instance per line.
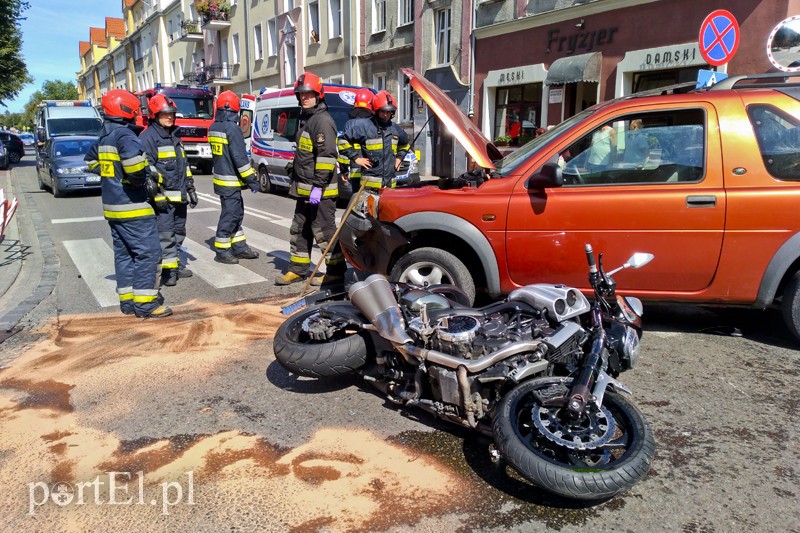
x=383, y=143
x=362, y=108
x=170, y=169
x=118, y=157
x=232, y=173
x=313, y=186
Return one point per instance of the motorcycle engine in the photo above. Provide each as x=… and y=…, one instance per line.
x=467, y=336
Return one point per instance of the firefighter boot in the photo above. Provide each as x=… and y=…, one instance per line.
x=169, y=277
x=159, y=312
x=288, y=279
x=227, y=259
x=247, y=253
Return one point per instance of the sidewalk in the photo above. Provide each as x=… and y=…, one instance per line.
x=28, y=260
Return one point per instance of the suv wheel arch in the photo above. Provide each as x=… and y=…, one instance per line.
x=779, y=271
x=464, y=230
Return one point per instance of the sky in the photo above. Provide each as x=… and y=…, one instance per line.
x=50, y=36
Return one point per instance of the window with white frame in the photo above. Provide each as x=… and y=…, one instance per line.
x=406, y=15
x=405, y=100
x=180, y=69
x=288, y=5
x=258, y=43
x=235, y=48
x=378, y=15
x=339, y=78
x=173, y=70
x=443, y=36
x=335, y=18
x=379, y=82
x=272, y=37
x=313, y=22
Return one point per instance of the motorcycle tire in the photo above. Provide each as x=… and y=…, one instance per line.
x=298, y=353
x=589, y=475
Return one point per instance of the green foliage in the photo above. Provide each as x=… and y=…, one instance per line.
x=15, y=72
x=502, y=140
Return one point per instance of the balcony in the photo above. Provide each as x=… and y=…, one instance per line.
x=218, y=74
x=215, y=22
x=190, y=31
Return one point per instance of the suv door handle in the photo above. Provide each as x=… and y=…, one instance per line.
x=701, y=201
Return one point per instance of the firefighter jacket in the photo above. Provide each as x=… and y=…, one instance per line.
x=168, y=164
x=381, y=145
x=346, y=165
x=315, y=156
x=119, y=159
x=232, y=169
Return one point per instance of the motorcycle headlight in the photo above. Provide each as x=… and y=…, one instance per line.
x=631, y=309
x=630, y=347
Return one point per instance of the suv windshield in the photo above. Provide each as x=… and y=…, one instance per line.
x=74, y=126
x=506, y=165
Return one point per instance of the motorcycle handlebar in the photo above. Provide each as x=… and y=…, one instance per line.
x=590, y=258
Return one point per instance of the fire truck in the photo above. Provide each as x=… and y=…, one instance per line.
x=194, y=117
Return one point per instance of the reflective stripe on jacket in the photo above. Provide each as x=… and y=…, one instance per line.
x=168, y=163
x=315, y=156
x=232, y=168
x=380, y=145
x=119, y=159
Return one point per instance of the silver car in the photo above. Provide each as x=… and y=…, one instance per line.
x=61, y=167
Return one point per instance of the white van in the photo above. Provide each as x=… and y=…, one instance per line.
x=275, y=127
x=66, y=117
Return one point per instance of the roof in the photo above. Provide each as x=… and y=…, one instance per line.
x=97, y=36
x=115, y=27
x=83, y=47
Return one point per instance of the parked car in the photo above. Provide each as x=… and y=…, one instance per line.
x=4, y=163
x=61, y=167
x=714, y=197
x=28, y=140
x=14, y=146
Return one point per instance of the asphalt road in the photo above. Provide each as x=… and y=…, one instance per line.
x=196, y=402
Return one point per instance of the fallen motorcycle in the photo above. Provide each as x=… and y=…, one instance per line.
x=536, y=371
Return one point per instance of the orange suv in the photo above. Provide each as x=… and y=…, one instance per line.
x=707, y=180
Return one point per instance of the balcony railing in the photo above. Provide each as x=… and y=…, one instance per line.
x=190, y=31
x=218, y=73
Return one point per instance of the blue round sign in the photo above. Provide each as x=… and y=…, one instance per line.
x=719, y=37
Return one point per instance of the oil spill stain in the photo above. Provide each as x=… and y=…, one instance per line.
x=522, y=502
x=56, y=435
x=312, y=526
x=46, y=394
x=148, y=454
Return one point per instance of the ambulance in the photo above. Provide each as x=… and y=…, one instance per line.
x=275, y=127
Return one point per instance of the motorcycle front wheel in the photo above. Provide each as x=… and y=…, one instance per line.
x=314, y=345
x=594, y=458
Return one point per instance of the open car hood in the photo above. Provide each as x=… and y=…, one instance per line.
x=458, y=124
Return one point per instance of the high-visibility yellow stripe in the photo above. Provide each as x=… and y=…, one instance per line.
x=144, y=298
x=108, y=156
x=299, y=259
x=227, y=183
x=117, y=215
x=135, y=167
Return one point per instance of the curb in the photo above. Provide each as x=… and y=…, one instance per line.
x=38, y=262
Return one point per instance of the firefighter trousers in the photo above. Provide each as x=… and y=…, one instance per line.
x=171, y=233
x=230, y=236
x=310, y=223
x=137, y=264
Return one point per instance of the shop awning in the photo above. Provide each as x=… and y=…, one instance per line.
x=585, y=67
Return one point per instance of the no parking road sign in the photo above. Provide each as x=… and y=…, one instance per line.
x=719, y=37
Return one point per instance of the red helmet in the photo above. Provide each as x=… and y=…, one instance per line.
x=364, y=99
x=308, y=82
x=161, y=104
x=228, y=100
x=384, y=101
x=120, y=103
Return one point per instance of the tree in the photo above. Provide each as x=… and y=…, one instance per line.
x=15, y=71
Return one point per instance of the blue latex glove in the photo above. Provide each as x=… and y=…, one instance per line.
x=316, y=196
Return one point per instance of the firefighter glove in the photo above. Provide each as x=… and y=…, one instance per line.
x=191, y=192
x=253, y=185
x=316, y=196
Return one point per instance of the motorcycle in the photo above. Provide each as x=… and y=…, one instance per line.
x=536, y=371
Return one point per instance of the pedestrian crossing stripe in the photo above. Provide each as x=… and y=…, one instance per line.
x=102, y=219
x=95, y=261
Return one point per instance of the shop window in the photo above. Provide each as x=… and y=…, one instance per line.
x=778, y=139
x=646, y=81
x=665, y=147
x=516, y=118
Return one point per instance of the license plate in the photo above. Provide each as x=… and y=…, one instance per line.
x=92, y=179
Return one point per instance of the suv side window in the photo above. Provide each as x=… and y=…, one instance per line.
x=778, y=139
x=643, y=148
x=284, y=123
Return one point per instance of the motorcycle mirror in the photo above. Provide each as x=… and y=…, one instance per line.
x=637, y=260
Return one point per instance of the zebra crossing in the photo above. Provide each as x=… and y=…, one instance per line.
x=94, y=257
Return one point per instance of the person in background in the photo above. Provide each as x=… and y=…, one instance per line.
x=232, y=173
x=119, y=159
x=383, y=143
x=170, y=169
x=314, y=186
x=637, y=147
x=362, y=108
x=604, y=146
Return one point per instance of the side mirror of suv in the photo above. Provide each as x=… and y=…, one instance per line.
x=550, y=175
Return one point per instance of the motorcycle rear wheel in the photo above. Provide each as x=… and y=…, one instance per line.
x=295, y=350
x=614, y=466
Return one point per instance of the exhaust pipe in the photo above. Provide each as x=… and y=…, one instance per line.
x=374, y=298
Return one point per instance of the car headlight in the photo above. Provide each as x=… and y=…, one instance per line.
x=70, y=171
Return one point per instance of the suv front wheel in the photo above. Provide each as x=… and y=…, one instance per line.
x=432, y=266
